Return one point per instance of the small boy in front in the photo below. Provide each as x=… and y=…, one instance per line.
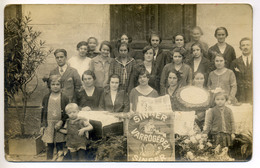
x=77, y=132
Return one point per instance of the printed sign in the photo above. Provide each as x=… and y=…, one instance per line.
x=151, y=137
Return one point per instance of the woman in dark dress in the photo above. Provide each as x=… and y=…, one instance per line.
x=222, y=48
x=113, y=99
x=88, y=96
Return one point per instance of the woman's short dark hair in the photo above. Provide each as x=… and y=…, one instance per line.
x=54, y=78
x=177, y=73
x=154, y=34
x=181, y=50
x=107, y=43
x=178, y=34
x=122, y=44
x=114, y=76
x=199, y=45
x=146, y=48
x=88, y=72
x=221, y=28
x=60, y=50
x=129, y=37
x=82, y=43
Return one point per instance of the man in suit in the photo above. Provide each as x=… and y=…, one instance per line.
x=243, y=70
x=69, y=76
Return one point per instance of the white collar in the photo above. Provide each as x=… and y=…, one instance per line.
x=64, y=67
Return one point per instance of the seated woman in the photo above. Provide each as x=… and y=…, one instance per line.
x=125, y=38
x=89, y=96
x=172, y=85
x=123, y=66
x=223, y=79
x=92, y=47
x=101, y=63
x=199, y=81
x=198, y=62
x=222, y=48
x=177, y=65
x=149, y=65
x=113, y=99
x=143, y=89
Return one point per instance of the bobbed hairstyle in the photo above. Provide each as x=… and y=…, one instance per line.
x=181, y=50
x=94, y=38
x=88, y=72
x=60, y=50
x=199, y=45
x=114, y=76
x=154, y=34
x=130, y=39
x=221, y=28
x=54, y=78
x=146, y=48
x=122, y=44
x=82, y=43
x=177, y=73
x=107, y=43
x=178, y=34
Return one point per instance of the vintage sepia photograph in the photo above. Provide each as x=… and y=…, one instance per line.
x=128, y=82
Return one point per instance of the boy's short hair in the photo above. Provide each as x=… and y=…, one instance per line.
x=82, y=43
x=54, y=78
x=221, y=93
x=71, y=106
x=60, y=50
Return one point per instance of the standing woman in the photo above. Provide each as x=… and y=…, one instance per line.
x=143, y=89
x=222, y=47
x=196, y=34
x=177, y=65
x=149, y=65
x=123, y=66
x=81, y=61
x=101, y=63
x=172, y=85
x=113, y=99
x=124, y=38
x=92, y=45
x=179, y=42
x=89, y=96
x=161, y=58
x=198, y=62
x=223, y=79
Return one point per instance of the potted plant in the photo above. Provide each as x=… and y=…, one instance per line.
x=24, y=52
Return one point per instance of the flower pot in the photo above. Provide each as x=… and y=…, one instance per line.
x=25, y=146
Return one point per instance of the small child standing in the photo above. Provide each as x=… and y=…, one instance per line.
x=77, y=132
x=220, y=122
x=53, y=116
